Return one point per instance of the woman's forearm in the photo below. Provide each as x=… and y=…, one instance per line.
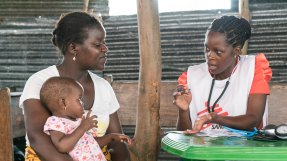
x=104, y=140
x=183, y=121
x=243, y=122
x=35, y=117
x=45, y=149
x=120, y=150
x=252, y=118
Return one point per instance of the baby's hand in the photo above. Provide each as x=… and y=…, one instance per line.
x=89, y=121
x=121, y=138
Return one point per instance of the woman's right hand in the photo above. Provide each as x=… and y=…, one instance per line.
x=120, y=138
x=89, y=121
x=182, y=97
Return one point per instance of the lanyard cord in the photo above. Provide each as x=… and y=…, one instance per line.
x=225, y=87
x=210, y=93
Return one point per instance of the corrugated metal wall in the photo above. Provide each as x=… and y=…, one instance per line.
x=25, y=33
x=182, y=37
x=25, y=39
x=35, y=8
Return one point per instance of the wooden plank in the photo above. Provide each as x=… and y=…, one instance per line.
x=6, y=150
x=244, y=12
x=18, y=124
x=127, y=96
x=126, y=93
x=85, y=5
x=277, y=104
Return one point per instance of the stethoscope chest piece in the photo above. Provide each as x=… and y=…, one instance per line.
x=281, y=131
x=269, y=130
x=273, y=131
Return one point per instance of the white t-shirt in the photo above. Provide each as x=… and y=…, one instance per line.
x=234, y=100
x=105, y=101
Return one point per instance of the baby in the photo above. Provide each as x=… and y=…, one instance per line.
x=70, y=130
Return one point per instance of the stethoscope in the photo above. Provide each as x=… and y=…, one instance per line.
x=270, y=131
x=279, y=131
x=223, y=91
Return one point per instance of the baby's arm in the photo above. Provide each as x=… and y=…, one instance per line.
x=66, y=142
x=105, y=140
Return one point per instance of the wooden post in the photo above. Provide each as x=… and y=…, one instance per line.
x=244, y=12
x=6, y=150
x=85, y=5
x=147, y=134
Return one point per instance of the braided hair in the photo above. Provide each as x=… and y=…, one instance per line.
x=236, y=30
x=72, y=28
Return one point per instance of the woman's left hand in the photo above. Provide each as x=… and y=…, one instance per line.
x=199, y=122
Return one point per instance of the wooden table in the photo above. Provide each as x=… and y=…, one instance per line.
x=190, y=147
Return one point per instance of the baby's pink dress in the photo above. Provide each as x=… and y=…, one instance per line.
x=86, y=149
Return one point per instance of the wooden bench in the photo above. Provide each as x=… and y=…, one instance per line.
x=127, y=92
x=6, y=150
x=12, y=120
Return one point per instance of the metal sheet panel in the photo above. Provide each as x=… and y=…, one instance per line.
x=25, y=45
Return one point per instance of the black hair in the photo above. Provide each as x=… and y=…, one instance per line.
x=72, y=28
x=236, y=30
x=55, y=88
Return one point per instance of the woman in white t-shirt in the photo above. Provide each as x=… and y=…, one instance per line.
x=81, y=39
x=229, y=90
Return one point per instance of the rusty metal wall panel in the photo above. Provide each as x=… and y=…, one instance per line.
x=25, y=33
x=25, y=45
x=182, y=37
x=36, y=8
